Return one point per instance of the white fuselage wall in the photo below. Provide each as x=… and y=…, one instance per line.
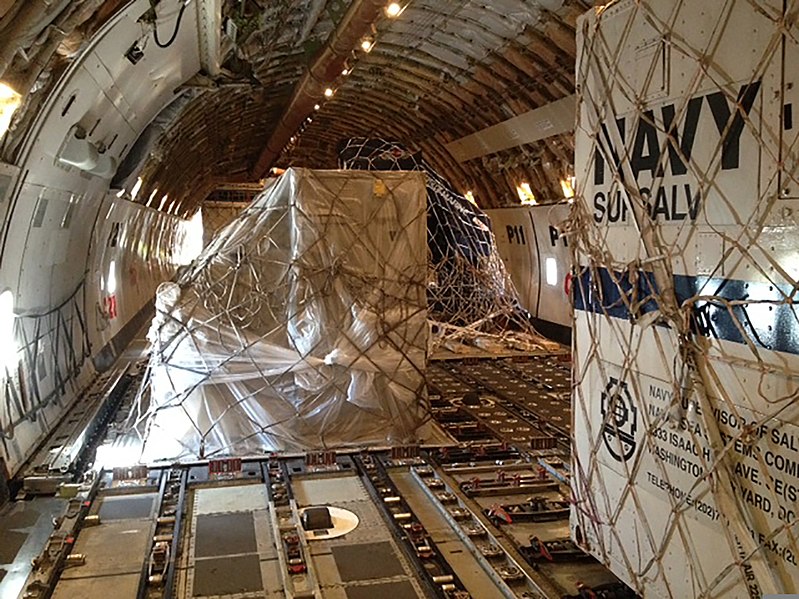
x=64, y=229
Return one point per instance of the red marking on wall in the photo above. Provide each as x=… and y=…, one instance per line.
x=111, y=306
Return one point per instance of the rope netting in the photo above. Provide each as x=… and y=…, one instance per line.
x=686, y=450
x=471, y=298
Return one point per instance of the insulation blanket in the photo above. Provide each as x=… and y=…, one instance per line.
x=301, y=326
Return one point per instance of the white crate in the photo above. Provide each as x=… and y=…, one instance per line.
x=686, y=340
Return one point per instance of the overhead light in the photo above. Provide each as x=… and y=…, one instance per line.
x=393, y=10
x=367, y=44
x=120, y=193
x=470, y=196
x=163, y=201
x=329, y=92
x=9, y=102
x=316, y=107
x=152, y=196
x=111, y=286
x=136, y=188
x=345, y=71
x=552, y=271
x=526, y=195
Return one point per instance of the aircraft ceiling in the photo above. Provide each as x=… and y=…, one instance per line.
x=437, y=72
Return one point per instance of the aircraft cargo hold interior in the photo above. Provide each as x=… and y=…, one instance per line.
x=359, y=298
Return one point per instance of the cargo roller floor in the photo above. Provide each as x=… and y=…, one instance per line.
x=463, y=562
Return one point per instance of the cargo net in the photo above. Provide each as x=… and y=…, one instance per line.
x=301, y=326
x=686, y=446
x=471, y=298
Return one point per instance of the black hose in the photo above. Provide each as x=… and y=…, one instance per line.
x=174, y=33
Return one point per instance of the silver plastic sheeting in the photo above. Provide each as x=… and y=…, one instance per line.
x=301, y=326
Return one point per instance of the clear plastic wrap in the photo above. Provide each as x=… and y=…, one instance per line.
x=301, y=326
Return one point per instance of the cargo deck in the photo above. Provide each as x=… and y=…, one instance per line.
x=429, y=517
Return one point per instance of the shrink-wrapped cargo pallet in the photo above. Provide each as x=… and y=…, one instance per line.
x=301, y=326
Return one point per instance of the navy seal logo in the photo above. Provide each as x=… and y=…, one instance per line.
x=620, y=417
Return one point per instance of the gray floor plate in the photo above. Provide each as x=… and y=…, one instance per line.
x=11, y=542
x=241, y=498
x=224, y=534
x=366, y=561
x=227, y=575
x=123, y=508
x=388, y=590
x=24, y=518
x=114, y=548
x=122, y=587
x=328, y=491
